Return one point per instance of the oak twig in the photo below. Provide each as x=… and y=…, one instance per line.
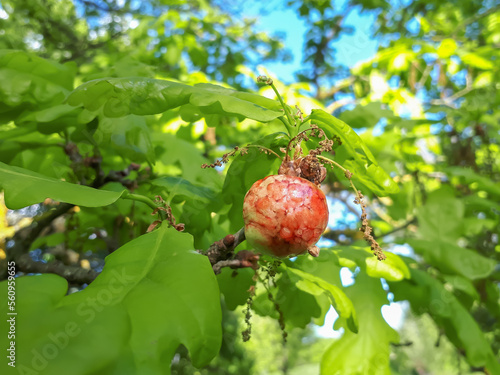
x=74, y=274
x=221, y=253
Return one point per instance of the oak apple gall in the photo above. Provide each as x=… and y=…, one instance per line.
x=285, y=215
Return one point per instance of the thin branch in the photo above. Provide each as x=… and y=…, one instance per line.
x=404, y=226
x=352, y=209
x=402, y=344
x=475, y=18
x=336, y=234
x=243, y=259
x=269, y=81
x=328, y=94
x=448, y=101
x=425, y=75
x=23, y=238
x=74, y=274
x=223, y=249
x=140, y=198
x=339, y=104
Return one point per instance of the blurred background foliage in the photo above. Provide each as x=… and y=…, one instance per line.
x=426, y=104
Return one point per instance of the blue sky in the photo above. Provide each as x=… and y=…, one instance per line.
x=350, y=48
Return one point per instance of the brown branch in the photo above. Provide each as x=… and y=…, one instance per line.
x=335, y=235
x=77, y=275
x=404, y=226
x=339, y=104
x=24, y=238
x=223, y=249
x=243, y=259
x=74, y=274
x=402, y=344
x=475, y=18
x=329, y=94
x=425, y=75
x=221, y=253
x=449, y=100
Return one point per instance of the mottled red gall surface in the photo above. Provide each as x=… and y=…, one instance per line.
x=284, y=215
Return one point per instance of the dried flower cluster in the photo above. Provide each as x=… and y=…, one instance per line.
x=308, y=167
x=367, y=229
x=271, y=271
x=168, y=215
x=243, y=151
x=247, y=333
x=225, y=158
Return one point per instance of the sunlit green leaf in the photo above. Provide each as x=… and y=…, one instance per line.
x=393, y=268
x=179, y=187
x=454, y=259
x=297, y=305
x=24, y=187
x=144, y=296
x=427, y=294
x=439, y=218
x=366, y=352
x=365, y=116
x=316, y=286
x=146, y=96
x=235, y=285
x=27, y=78
x=355, y=156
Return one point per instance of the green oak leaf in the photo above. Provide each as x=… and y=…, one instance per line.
x=440, y=218
x=24, y=187
x=26, y=78
x=154, y=294
x=354, y=155
x=426, y=294
x=462, y=284
x=366, y=116
x=129, y=136
x=234, y=285
x=172, y=151
x=183, y=190
x=55, y=119
x=393, y=268
x=299, y=307
x=119, y=97
x=367, y=352
x=450, y=258
x=317, y=286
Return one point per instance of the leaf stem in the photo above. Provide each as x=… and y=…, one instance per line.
x=145, y=200
x=292, y=124
x=285, y=108
x=287, y=126
x=347, y=173
x=265, y=149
